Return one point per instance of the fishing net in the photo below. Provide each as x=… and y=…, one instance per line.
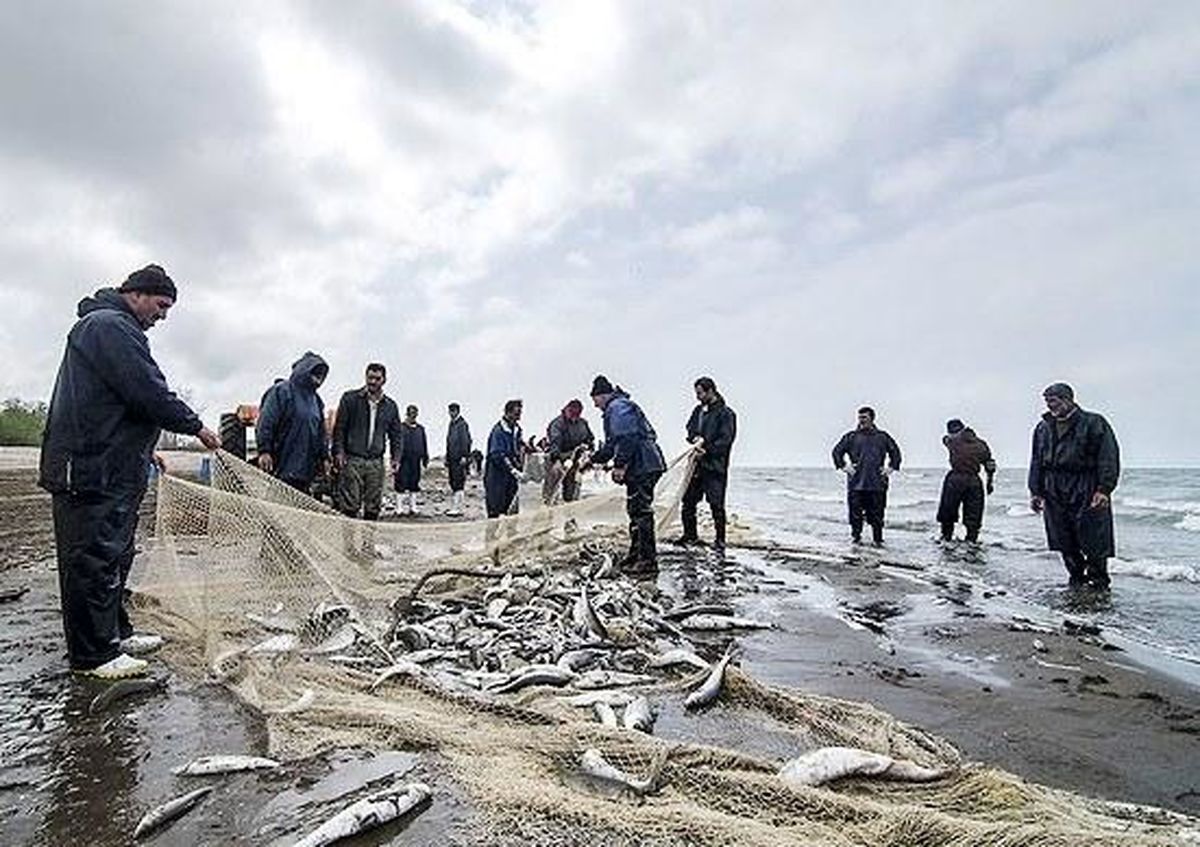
x=300, y=611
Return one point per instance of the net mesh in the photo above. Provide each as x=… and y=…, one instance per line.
x=300, y=611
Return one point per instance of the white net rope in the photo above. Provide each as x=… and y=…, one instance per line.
x=405, y=635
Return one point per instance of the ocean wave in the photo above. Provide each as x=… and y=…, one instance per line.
x=1174, y=507
x=806, y=498
x=1019, y=510
x=1190, y=522
x=1157, y=571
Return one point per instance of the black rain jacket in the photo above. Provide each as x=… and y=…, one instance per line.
x=867, y=449
x=717, y=425
x=353, y=424
x=458, y=440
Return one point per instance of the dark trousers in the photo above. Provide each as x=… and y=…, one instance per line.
x=93, y=536
x=869, y=505
x=639, y=505
x=965, y=491
x=705, y=485
x=499, y=490
x=456, y=469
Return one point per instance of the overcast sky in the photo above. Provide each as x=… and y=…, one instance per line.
x=933, y=208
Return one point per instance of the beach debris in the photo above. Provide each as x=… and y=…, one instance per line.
x=831, y=763
x=1022, y=624
x=1055, y=665
x=369, y=813
x=227, y=664
x=639, y=715
x=1071, y=627
x=213, y=765
x=123, y=688
x=12, y=595
x=1040, y=646
x=605, y=714
x=710, y=688
x=160, y=816
x=595, y=765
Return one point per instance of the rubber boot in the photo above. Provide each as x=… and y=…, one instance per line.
x=948, y=532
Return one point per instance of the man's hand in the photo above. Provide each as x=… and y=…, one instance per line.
x=618, y=475
x=160, y=462
x=395, y=467
x=339, y=461
x=1100, y=500
x=209, y=438
x=698, y=445
x=885, y=471
x=990, y=487
x=848, y=469
x=266, y=464
x=1037, y=504
x=326, y=467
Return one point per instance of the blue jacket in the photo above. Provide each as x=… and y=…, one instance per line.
x=629, y=440
x=109, y=404
x=867, y=449
x=504, y=453
x=291, y=423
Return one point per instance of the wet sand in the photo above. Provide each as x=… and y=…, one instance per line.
x=944, y=658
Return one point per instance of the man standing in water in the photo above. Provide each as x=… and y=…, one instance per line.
x=632, y=447
x=866, y=473
x=109, y=404
x=414, y=457
x=458, y=457
x=711, y=430
x=961, y=487
x=1072, y=473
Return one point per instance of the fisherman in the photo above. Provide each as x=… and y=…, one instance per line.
x=293, y=442
x=503, y=467
x=711, y=430
x=961, y=487
x=458, y=457
x=1072, y=473
x=368, y=421
x=568, y=438
x=873, y=455
x=110, y=403
x=637, y=462
x=414, y=457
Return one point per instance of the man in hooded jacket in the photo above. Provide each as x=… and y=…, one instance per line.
x=292, y=438
x=110, y=403
x=711, y=430
x=1072, y=473
x=631, y=445
x=961, y=488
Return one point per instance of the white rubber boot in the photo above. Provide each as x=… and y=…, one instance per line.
x=121, y=667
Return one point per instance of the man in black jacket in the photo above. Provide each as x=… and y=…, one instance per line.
x=711, y=430
x=368, y=421
x=414, y=458
x=109, y=405
x=868, y=448
x=458, y=457
x=1072, y=473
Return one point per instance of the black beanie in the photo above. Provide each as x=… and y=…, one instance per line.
x=151, y=279
x=954, y=426
x=601, y=385
x=1060, y=390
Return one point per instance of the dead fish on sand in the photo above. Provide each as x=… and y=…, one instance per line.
x=160, y=816
x=678, y=656
x=213, y=765
x=275, y=645
x=586, y=617
x=638, y=715
x=306, y=699
x=720, y=623
x=605, y=714
x=534, y=675
x=403, y=667
x=611, y=679
x=711, y=687
x=830, y=763
x=591, y=698
x=123, y=688
x=595, y=765
x=368, y=813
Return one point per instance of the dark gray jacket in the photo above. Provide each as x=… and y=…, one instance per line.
x=353, y=424
x=717, y=425
x=564, y=436
x=867, y=449
x=291, y=424
x=109, y=404
x=458, y=440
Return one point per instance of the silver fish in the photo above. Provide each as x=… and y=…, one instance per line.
x=720, y=623
x=573, y=660
x=496, y=608
x=124, y=688
x=605, y=714
x=590, y=698
x=535, y=675
x=611, y=679
x=273, y=624
x=586, y=617
x=275, y=645
x=678, y=656
x=595, y=765
x=368, y=813
x=638, y=715
x=830, y=763
x=400, y=668
x=708, y=690
x=211, y=765
x=160, y=816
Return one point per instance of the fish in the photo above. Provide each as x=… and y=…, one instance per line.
x=678, y=656
x=496, y=608
x=227, y=664
x=431, y=654
x=12, y=595
x=306, y=699
x=611, y=679
x=720, y=623
x=831, y=763
x=605, y=714
x=339, y=641
x=275, y=645
x=125, y=688
x=212, y=765
x=160, y=816
x=681, y=612
x=638, y=715
x=595, y=765
x=586, y=618
x=400, y=668
x=534, y=675
x=573, y=660
x=605, y=567
x=273, y=624
x=368, y=813
x=710, y=689
x=590, y=698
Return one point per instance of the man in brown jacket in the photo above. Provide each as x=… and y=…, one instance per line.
x=962, y=486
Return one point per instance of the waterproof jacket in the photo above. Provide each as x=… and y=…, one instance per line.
x=969, y=453
x=458, y=440
x=565, y=435
x=629, y=440
x=717, y=425
x=505, y=453
x=1078, y=461
x=414, y=449
x=867, y=450
x=291, y=424
x=353, y=425
x=109, y=404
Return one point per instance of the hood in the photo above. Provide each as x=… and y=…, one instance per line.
x=105, y=298
x=304, y=367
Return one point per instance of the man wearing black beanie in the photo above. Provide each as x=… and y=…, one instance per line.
x=110, y=403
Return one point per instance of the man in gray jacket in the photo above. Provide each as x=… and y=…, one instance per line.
x=568, y=438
